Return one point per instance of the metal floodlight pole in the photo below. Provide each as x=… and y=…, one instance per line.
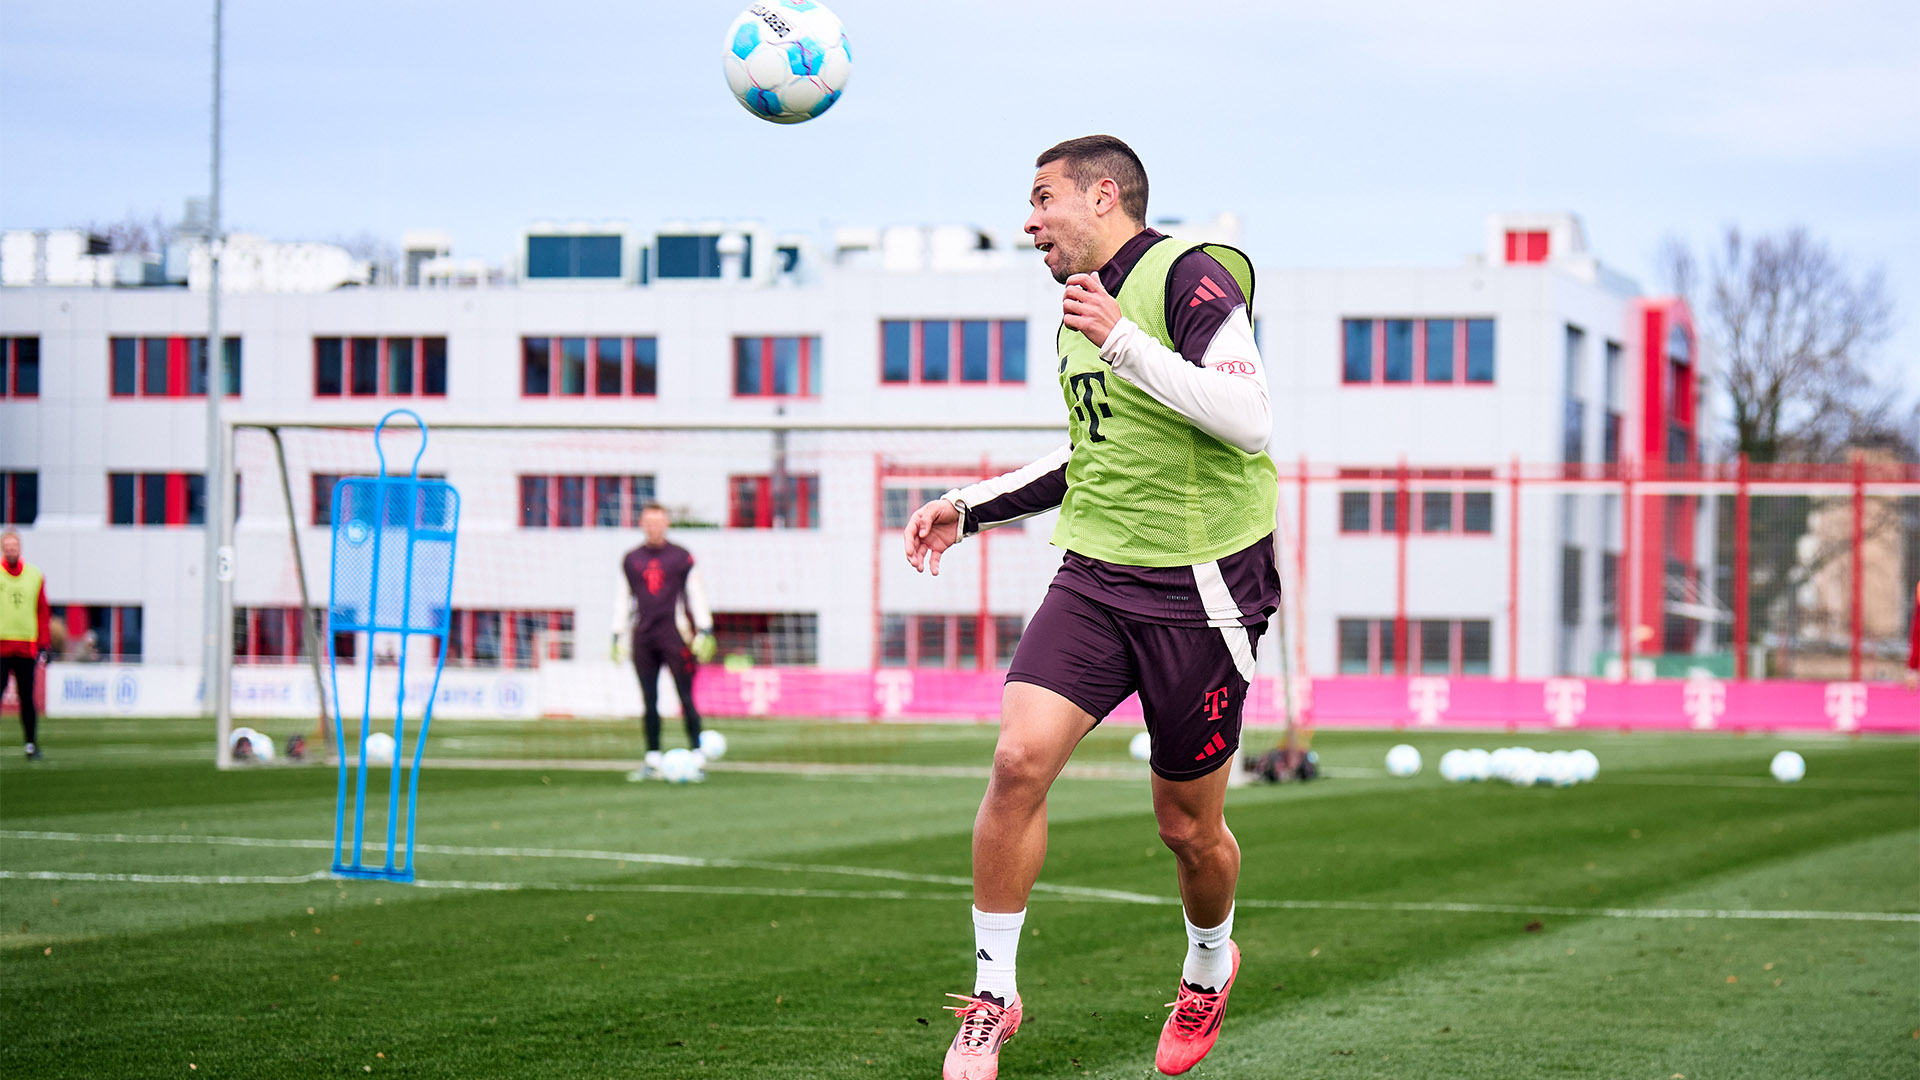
x=217, y=566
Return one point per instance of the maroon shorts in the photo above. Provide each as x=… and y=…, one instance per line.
x=1192, y=685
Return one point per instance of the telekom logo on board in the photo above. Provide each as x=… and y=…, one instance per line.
x=1428, y=698
x=892, y=690
x=1703, y=700
x=1564, y=700
x=1846, y=705
x=759, y=689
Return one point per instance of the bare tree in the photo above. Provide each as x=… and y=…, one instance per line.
x=1793, y=331
x=134, y=233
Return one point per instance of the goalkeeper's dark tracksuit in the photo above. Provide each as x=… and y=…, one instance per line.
x=658, y=578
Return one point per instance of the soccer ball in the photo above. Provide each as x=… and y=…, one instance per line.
x=677, y=766
x=249, y=745
x=1479, y=764
x=1586, y=766
x=713, y=745
x=1141, y=747
x=379, y=749
x=1788, y=767
x=787, y=60
x=1403, y=760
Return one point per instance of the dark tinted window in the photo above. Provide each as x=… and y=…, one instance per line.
x=1357, y=351
x=326, y=367
x=646, y=365
x=896, y=352
x=1013, y=352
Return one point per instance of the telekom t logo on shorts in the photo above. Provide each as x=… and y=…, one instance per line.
x=1215, y=703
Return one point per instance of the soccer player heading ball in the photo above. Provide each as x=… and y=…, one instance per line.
x=1166, y=498
x=671, y=625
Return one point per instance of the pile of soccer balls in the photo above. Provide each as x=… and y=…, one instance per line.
x=1517, y=765
x=682, y=766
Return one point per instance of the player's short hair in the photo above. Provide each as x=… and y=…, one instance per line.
x=655, y=504
x=1092, y=158
x=9, y=531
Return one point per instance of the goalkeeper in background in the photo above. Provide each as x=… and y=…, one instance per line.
x=670, y=624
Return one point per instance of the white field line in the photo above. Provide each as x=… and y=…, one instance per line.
x=584, y=854
x=1067, y=891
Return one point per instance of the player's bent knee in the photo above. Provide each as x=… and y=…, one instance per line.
x=1185, y=835
x=1020, y=765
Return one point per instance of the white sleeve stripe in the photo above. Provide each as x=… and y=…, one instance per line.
x=1008, y=483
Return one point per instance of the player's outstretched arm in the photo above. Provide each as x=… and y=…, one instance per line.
x=931, y=530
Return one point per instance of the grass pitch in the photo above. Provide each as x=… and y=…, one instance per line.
x=1682, y=916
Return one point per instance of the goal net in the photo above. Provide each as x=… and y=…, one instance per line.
x=831, y=649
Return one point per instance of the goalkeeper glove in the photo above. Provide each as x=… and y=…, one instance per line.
x=704, y=646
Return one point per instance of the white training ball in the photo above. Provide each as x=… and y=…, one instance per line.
x=1788, y=767
x=713, y=745
x=677, y=766
x=1586, y=766
x=1479, y=764
x=787, y=60
x=379, y=749
x=1403, y=761
x=1523, y=767
x=1141, y=747
x=1560, y=769
x=1453, y=767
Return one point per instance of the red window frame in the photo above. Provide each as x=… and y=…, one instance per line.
x=1377, y=362
x=956, y=353
x=988, y=654
x=251, y=648
x=74, y=616
x=177, y=363
x=174, y=500
x=1381, y=658
x=459, y=647
x=10, y=495
x=631, y=501
x=759, y=507
x=590, y=385
x=808, y=345
x=1379, y=500
x=10, y=367
x=383, y=359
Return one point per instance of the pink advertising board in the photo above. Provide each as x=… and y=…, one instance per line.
x=1420, y=701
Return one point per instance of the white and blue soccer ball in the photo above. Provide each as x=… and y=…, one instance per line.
x=787, y=60
x=1586, y=766
x=713, y=745
x=1141, y=747
x=1788, y=767
x=1403, y=761
x=1455, y=767
x=1479, y=764
x=679, y=766
x=257, y=747
x=379, y=748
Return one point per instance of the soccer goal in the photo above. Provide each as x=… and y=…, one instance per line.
x=831, y=650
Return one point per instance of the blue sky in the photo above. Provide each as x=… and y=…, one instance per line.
x=1371, y=132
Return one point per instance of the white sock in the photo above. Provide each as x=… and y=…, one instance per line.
x=996, y=944
x=1209, y=961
